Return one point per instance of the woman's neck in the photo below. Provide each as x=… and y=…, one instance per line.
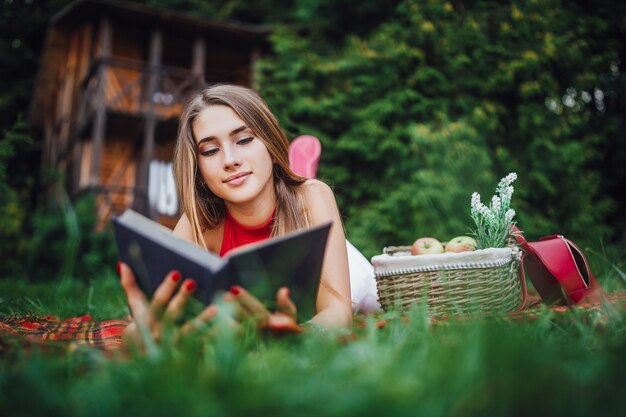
x=253, y=214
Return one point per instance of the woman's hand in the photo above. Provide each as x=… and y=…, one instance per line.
x=167, y=305
x=282, y=321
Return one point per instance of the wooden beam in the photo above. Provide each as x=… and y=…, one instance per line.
x=81, y=72
x=255, y=55
x=99, y=124
x=66, y=103
x=141, y=195
x=199, y=57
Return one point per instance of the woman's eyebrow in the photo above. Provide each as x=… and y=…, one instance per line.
x=233, y=133
x=239, y=129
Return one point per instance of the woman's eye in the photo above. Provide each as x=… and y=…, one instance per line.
x=209, y=152
x=245, y=140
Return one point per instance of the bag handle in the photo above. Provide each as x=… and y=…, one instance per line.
x=519, y=238
x=593, y=293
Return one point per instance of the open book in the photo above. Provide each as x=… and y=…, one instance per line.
x=294, y=260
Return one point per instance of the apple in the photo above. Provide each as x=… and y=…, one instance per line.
x=426, y=245
x=461, y=244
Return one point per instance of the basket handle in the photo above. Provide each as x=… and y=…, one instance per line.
x=392, y=250
x=522, y=277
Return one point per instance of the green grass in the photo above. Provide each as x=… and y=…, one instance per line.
x=103, y=299
x=555, y=365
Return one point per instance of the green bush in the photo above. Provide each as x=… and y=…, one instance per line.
x=65, y=242
x=13, y=206
x=514, y=84
x=59, y=239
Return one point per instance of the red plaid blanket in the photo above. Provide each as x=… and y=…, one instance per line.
x=80, y=330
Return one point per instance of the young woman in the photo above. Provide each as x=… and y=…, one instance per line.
x=233, y=177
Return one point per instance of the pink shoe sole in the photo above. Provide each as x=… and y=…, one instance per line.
x=304, y=155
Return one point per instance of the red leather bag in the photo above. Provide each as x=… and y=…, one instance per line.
x=558, y=270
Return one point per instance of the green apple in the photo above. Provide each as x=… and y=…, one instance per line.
x=461, y=244
x=426, y=245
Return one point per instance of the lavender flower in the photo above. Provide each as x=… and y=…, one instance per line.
x=493, y=223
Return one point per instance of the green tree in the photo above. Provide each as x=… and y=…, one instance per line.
x=519, y=82
x=419, y=103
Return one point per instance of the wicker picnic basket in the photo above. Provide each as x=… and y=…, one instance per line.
x=481, y=281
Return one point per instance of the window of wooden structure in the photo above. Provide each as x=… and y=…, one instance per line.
x=227, y=64
x=130, y=43
x=177, y=51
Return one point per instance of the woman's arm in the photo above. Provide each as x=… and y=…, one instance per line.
x=334, y=305
x=183, y=228
x=212, y=237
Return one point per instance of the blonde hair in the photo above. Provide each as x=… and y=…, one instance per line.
x=204, y=209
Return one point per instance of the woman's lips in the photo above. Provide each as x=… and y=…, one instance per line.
x=237, y=179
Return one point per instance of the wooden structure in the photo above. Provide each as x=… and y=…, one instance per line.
x=113, y=79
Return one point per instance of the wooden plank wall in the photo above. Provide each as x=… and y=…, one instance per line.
x=118, y=166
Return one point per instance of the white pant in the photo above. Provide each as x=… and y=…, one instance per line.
x=362, y=282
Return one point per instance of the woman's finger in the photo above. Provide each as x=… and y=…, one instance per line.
x=176, y=307
x=201, y=320
x=164, y=293
x=280, y=323
x=284, y=304
x=137, y=301
x=249, y=303
x=235, y=310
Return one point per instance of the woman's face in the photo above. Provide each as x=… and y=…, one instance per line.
x=233, y=162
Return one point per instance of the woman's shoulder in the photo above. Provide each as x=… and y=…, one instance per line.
x=316, y=188
x=212, y=237
x=319, y=200
x=183, y=228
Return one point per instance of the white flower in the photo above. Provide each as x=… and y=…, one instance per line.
x=506, y=182
x=506, y=195
x=475, y=203
x=496, y=204
x=479, y=209
x=508, y=217
x=487, y=214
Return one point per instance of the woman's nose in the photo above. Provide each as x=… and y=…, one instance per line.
x=231, y=158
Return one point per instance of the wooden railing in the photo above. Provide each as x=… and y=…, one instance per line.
x=124, y=85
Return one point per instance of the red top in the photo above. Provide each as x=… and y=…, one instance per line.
x=236, y=234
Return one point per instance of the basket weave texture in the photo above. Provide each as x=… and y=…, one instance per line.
x=472, y=282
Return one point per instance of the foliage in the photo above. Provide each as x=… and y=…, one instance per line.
x=561, y=364
x=12, y=201
x=418, y=103
x=65, y=242
x=23, y=25
x=518, y=81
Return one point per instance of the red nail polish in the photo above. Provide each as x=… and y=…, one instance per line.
x=176, y=276
x=191, y=285
x=234, y=290
x=288, y=292
x=119, y=267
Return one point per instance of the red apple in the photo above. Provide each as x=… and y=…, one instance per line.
x=461, y=244
x=426, y=245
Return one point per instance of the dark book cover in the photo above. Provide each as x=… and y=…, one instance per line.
x=294, y=261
